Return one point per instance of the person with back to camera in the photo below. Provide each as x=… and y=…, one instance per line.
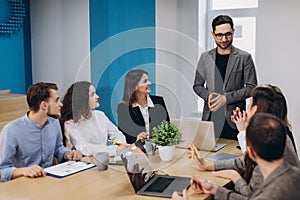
x=229, y=75
x=29, y=144
x=139, y=111
x=246, y=176
x=265, y=138
x=240, y=117
x=85, y=128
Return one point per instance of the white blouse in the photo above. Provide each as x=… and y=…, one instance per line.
x=145, y=112
x=242, y=140
x=90, y=135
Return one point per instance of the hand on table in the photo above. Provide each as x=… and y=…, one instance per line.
x=123, y=146
x=31, y=171
x=230, y=174
x=73, y=155
x=201, y=186
x=142, y=137
x=179, y=195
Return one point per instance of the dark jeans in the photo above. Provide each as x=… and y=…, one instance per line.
x=228, y=132
x=224, y=131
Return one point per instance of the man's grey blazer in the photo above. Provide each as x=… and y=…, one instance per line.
x=240, y=79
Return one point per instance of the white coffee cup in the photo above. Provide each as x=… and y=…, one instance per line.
x=150, y=147
x=102, y=160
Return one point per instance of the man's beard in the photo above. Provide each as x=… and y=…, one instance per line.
x=226, y=47
x=55, y=116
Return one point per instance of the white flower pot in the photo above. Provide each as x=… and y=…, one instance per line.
x=166, y=153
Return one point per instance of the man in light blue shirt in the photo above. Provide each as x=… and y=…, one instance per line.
x=28, y=144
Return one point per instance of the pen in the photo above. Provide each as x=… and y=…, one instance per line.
x=115, y=142
x=192, y=152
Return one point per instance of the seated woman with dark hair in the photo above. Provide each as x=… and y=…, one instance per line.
x=260, y=102
x=83, y=126
x=139, y=111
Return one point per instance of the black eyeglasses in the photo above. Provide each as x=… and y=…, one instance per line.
x=220, y=36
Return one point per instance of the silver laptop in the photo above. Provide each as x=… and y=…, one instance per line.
x=143, y=179
x=201, y=133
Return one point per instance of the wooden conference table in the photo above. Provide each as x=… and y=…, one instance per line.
x=110, y=184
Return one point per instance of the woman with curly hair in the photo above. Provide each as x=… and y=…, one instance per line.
x=83, y=127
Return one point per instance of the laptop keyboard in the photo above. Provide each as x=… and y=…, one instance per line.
x=159, y=185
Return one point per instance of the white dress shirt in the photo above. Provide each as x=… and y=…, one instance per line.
x=242, y=140
x=145, y=112
x=90, y=135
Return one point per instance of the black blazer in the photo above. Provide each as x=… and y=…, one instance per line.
x=131, y=121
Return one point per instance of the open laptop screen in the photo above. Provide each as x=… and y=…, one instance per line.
x=198, y=132
x=137, y=166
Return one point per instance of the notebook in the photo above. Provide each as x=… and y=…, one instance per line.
x=143, y=179
x=68, y=168
x=221, y=156
x=201, y=133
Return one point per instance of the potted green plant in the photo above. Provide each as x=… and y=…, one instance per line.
x=166, y=136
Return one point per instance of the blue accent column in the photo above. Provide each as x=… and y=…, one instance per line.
x=15, y=53
x=27, y=46
x=122, y=36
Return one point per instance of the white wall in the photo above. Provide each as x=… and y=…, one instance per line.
x=60, y=41
x=177, y=54
x=277, y=55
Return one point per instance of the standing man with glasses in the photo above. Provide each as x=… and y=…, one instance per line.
x=224, y=79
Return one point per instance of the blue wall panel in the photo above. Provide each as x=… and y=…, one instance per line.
x=15, y=55
x=122, y=37
x=12, y=63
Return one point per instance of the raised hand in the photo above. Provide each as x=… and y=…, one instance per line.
x=201, y=163
x=240, y=119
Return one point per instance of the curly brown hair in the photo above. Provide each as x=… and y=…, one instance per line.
x=75, y=104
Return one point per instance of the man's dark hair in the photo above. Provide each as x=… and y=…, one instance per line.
x=266, y=134
x=221, y=19
x=37, y=93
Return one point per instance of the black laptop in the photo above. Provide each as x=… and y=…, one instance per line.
x=145, y=181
